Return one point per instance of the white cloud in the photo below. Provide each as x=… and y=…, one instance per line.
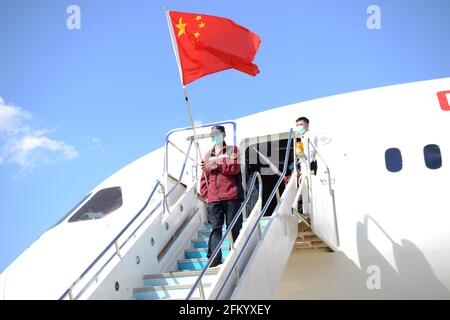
x=11, y=118
x=25, y=146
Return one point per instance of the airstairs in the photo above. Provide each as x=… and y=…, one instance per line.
x=307, y=240
x=252, y=265
x=176, y=284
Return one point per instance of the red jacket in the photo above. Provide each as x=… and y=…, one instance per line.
x=224, y=182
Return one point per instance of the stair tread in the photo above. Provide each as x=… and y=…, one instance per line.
x=181, y=273
x=313, y=249
x=204, y=249
x=307, y=233
x=157, y=286
x=302, y=244
x=193, y=260
x=320, y=245
x=203, y=239
x=168, y=287
x=264, y=219
x=209, y=230
x=313, y=239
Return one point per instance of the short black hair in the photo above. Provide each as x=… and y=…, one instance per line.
x=220, y=128
x=305, y=119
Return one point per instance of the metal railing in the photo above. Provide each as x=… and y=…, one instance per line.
x=206, y=125
x=166, y=169
x=114, y=243
x=230, y=227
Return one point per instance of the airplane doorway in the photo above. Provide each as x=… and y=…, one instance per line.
x=266, y=155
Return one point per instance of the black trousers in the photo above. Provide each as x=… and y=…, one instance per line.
x=313, y=167
x=218, y=212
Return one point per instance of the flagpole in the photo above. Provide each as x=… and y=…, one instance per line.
x=174, y=44
x=186, y=99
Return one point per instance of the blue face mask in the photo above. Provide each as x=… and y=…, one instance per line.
x=301, y=129
x=217, y=139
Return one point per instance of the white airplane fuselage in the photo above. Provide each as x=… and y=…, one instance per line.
x=394, y=227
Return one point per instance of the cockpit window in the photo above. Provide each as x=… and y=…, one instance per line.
x=101, y=204
x=432, y=154
x=393, y=158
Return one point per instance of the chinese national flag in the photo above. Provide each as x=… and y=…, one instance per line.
x=208, y=44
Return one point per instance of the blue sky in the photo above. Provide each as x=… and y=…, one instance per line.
x=77, y=105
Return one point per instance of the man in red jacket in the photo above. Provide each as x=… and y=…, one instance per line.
x=223, y=190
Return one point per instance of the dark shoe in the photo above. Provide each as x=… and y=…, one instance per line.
x=215, y=264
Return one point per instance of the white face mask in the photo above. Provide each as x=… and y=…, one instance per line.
x=301, y=129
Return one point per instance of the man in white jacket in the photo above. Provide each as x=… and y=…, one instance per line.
x=304, y=134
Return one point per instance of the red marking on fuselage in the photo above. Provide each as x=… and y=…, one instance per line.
x=444, y=100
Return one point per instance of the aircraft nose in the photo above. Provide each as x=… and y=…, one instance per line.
x=3, y=277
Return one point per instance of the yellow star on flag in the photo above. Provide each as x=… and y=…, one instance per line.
x=181, y=27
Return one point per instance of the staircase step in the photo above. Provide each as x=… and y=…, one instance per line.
x=179, y=277
x=309, y=238
x=177, y=284
x=264, y=222
x=306, y=233
x=192, y=264
x=203, y=243
x=319, y=245
x=170, y=292
x=313, y=249
x=302, y=244
x=202, y=252
x=302, y=227
x=309, y=241
x=207, y=226
x=207, y=232
x=203, y=237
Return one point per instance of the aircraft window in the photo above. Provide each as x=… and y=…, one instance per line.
x=393, y=158
x=432, y=154
x=101, y=204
